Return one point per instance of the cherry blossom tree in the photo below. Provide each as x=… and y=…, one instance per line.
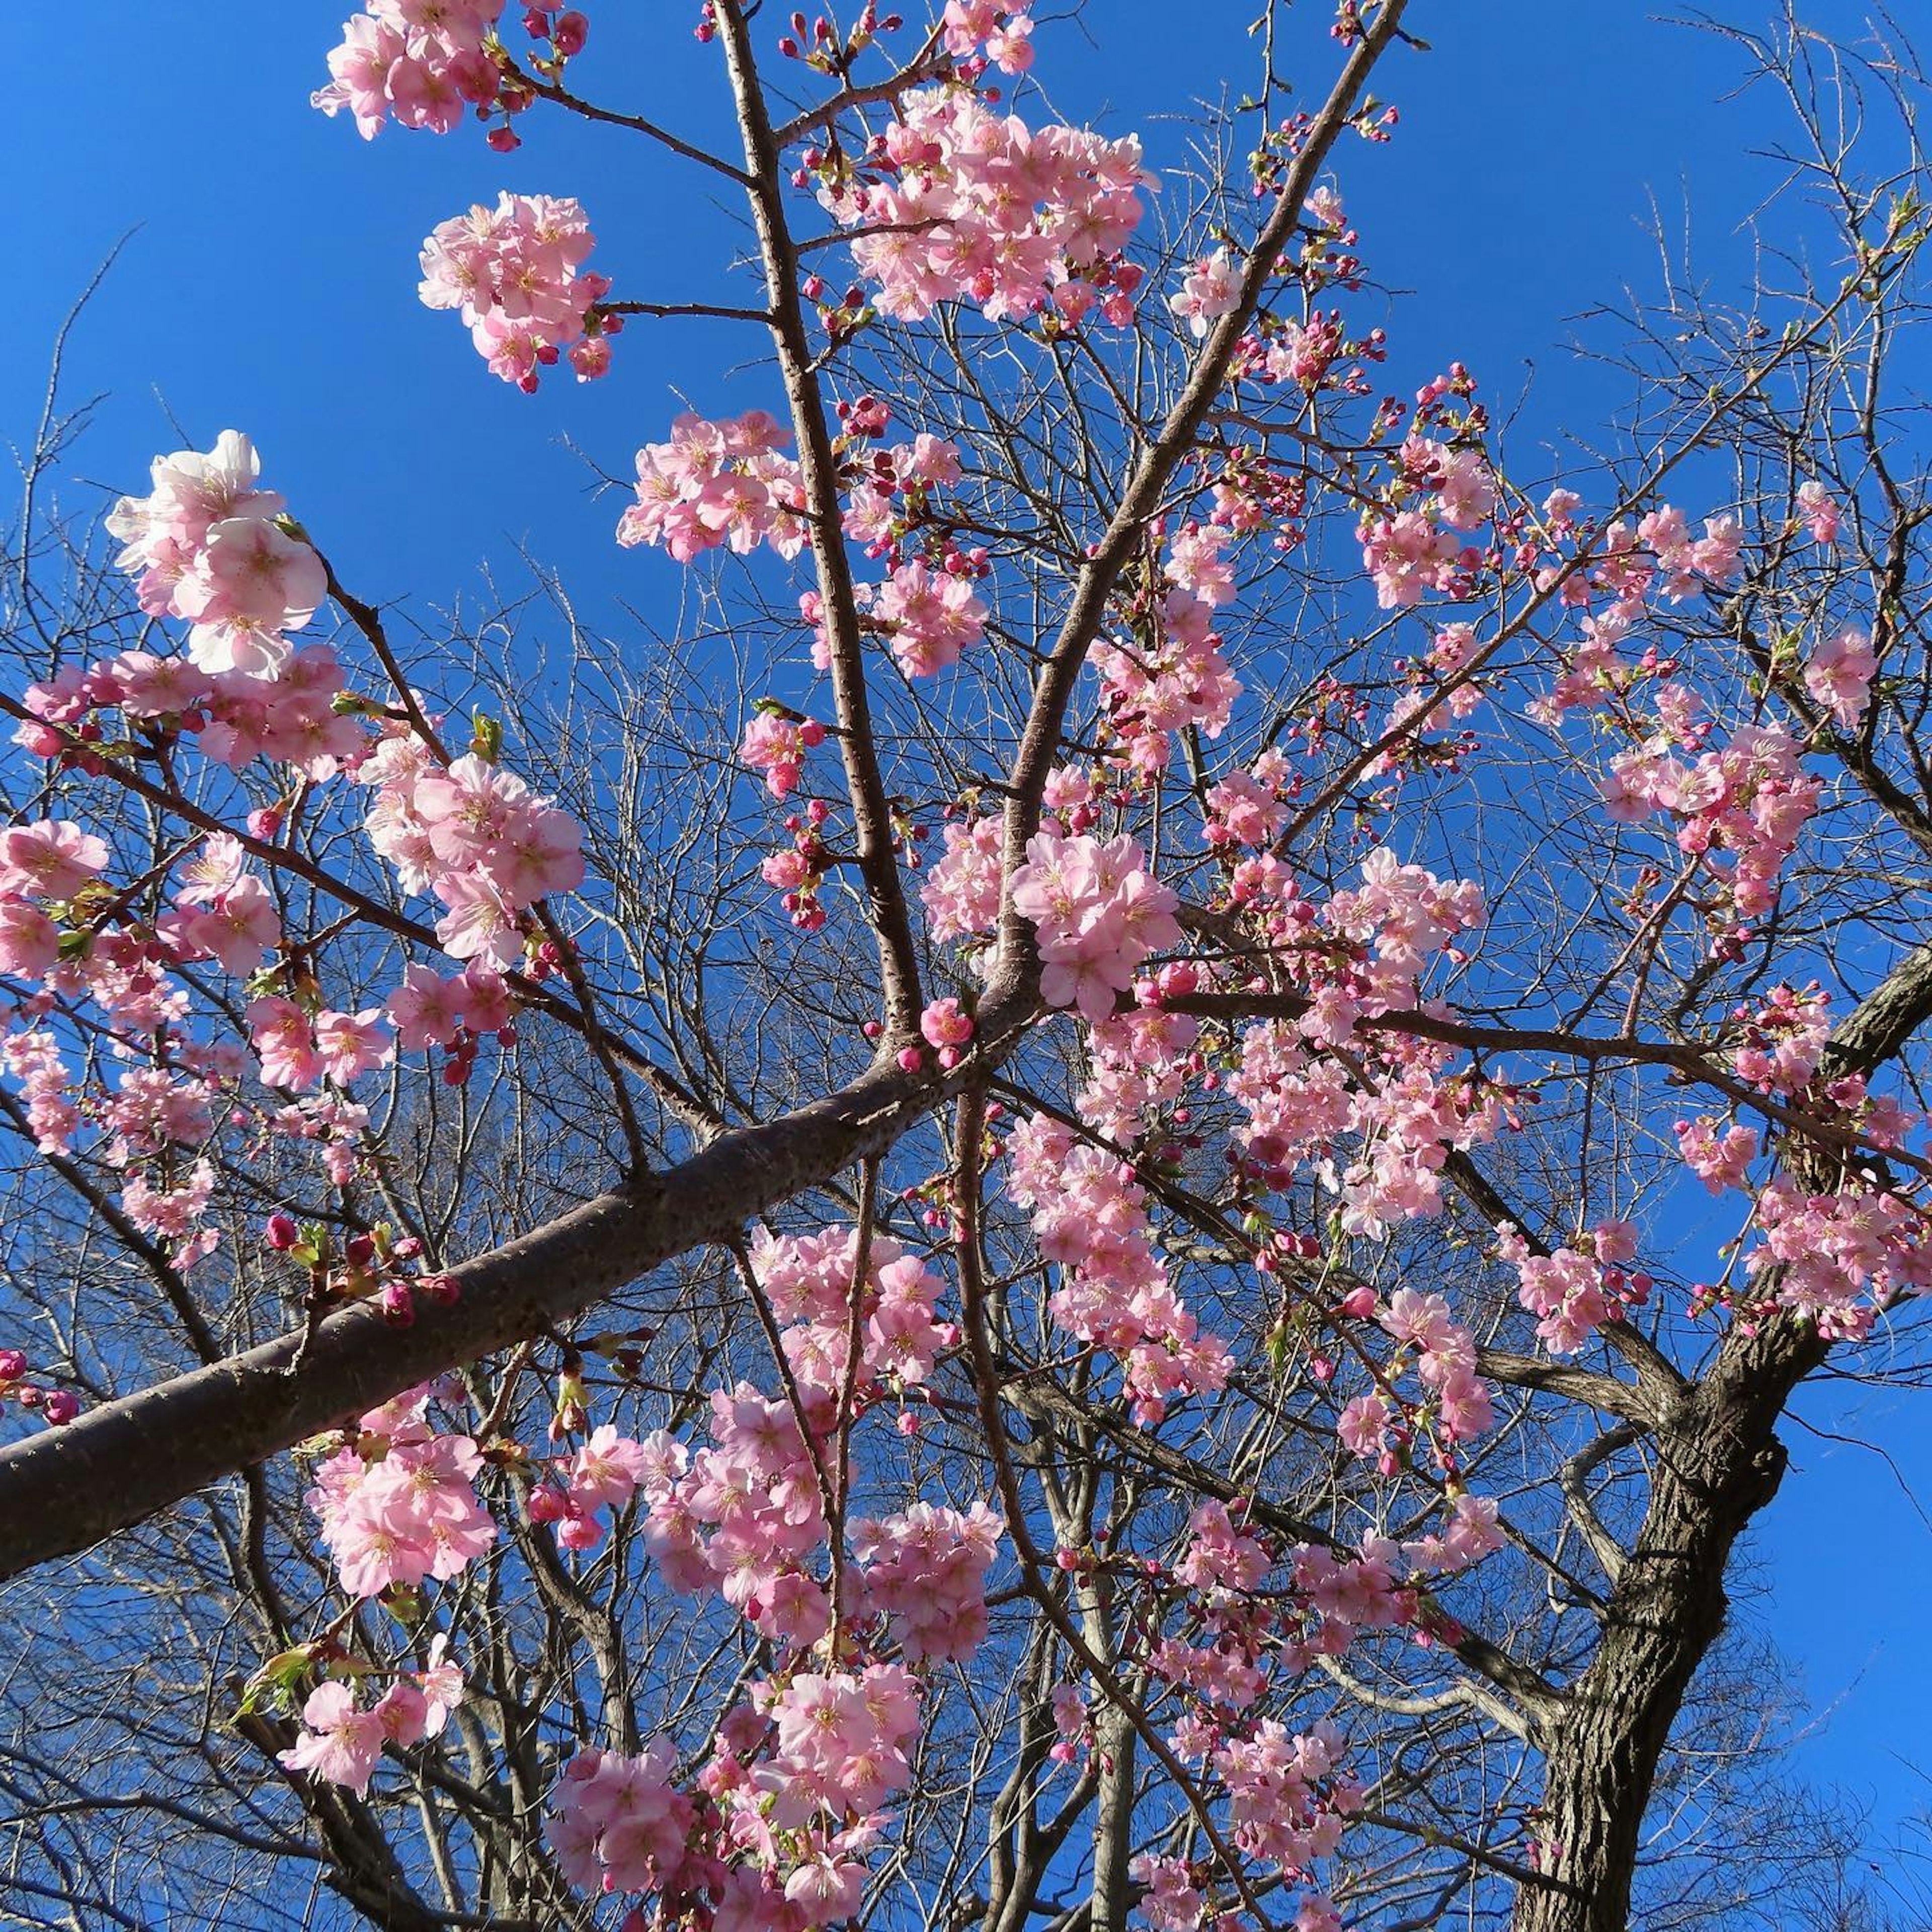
x=1099, y=1209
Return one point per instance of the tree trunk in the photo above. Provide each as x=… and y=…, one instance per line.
x=1718, y=1463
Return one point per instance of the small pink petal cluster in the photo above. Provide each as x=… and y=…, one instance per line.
x=717, y=483
x=787, y=1809
x=968, y=25
x=286, y=713
x=1406, y=912
x=223, y=912
x=58, y=1406
x=1820, y=513
x=776, y=744
x=211, y=548
x=1301, y=1102
x=1245, y=1615
x=514, y=273
x=946, y=1026
x=1838, y=1258
x=931, y=615
x=154, y=1110
x=1840, y=674
x=1097, y=912
x=756, y=1492
x=621, y=1824
x=1305, y=353
x=604, y=1474
x=1659, y=558
x=1465, y=496
x=398, y=1503
x=428, y=1010
x=774, y=1844
x=894, y=490
x=1247, y=808
x=1740, y=808
x=1719, y=1156
x=1089, y=1217
x=1444, y=1362
x=1683, y=560
x=1181, y=678
x=33, y=1057
x=926, y=1570
x=1211, y=289
x=1420, y=709
x=1571, y=1293
x=954, y=203
x=1410, y=547
x=474, y=835
x=340, y=1741
x=1407, y=555
x=419, y=63
x=1169, y=1901
x=1783, y=1038
x=1138, y=1061
x=961, y=892
x=1288, y=1794
x=1147, y=696
x=808, y=1279
x=299, y=1050
x=50, y=860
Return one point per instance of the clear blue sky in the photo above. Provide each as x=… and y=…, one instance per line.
x=270, y=287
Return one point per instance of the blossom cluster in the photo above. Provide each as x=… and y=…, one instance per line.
x=341, y=1741
x=961, y=892
x=421, y=63
x=930, y=616
x=786, y=1808
x=1739, y=808
x=474, y=835
x=1090, y=1218
x=515, y=274
x=1176, y=676
x=775, y=745
x=955, y=203
x=213, y=549
x=397, y=1503
x=58, y=1405
x=717, y=483
x=1098, y=912
x=1574, y=1292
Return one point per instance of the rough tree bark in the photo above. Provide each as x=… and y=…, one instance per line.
x=1717, y=1463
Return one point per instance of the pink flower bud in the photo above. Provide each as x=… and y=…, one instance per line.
x=60, y=1406
x=580, y=1533
x=280, y=1232
x=548, y=1504
x=13, y=1365
x=398, y=1305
